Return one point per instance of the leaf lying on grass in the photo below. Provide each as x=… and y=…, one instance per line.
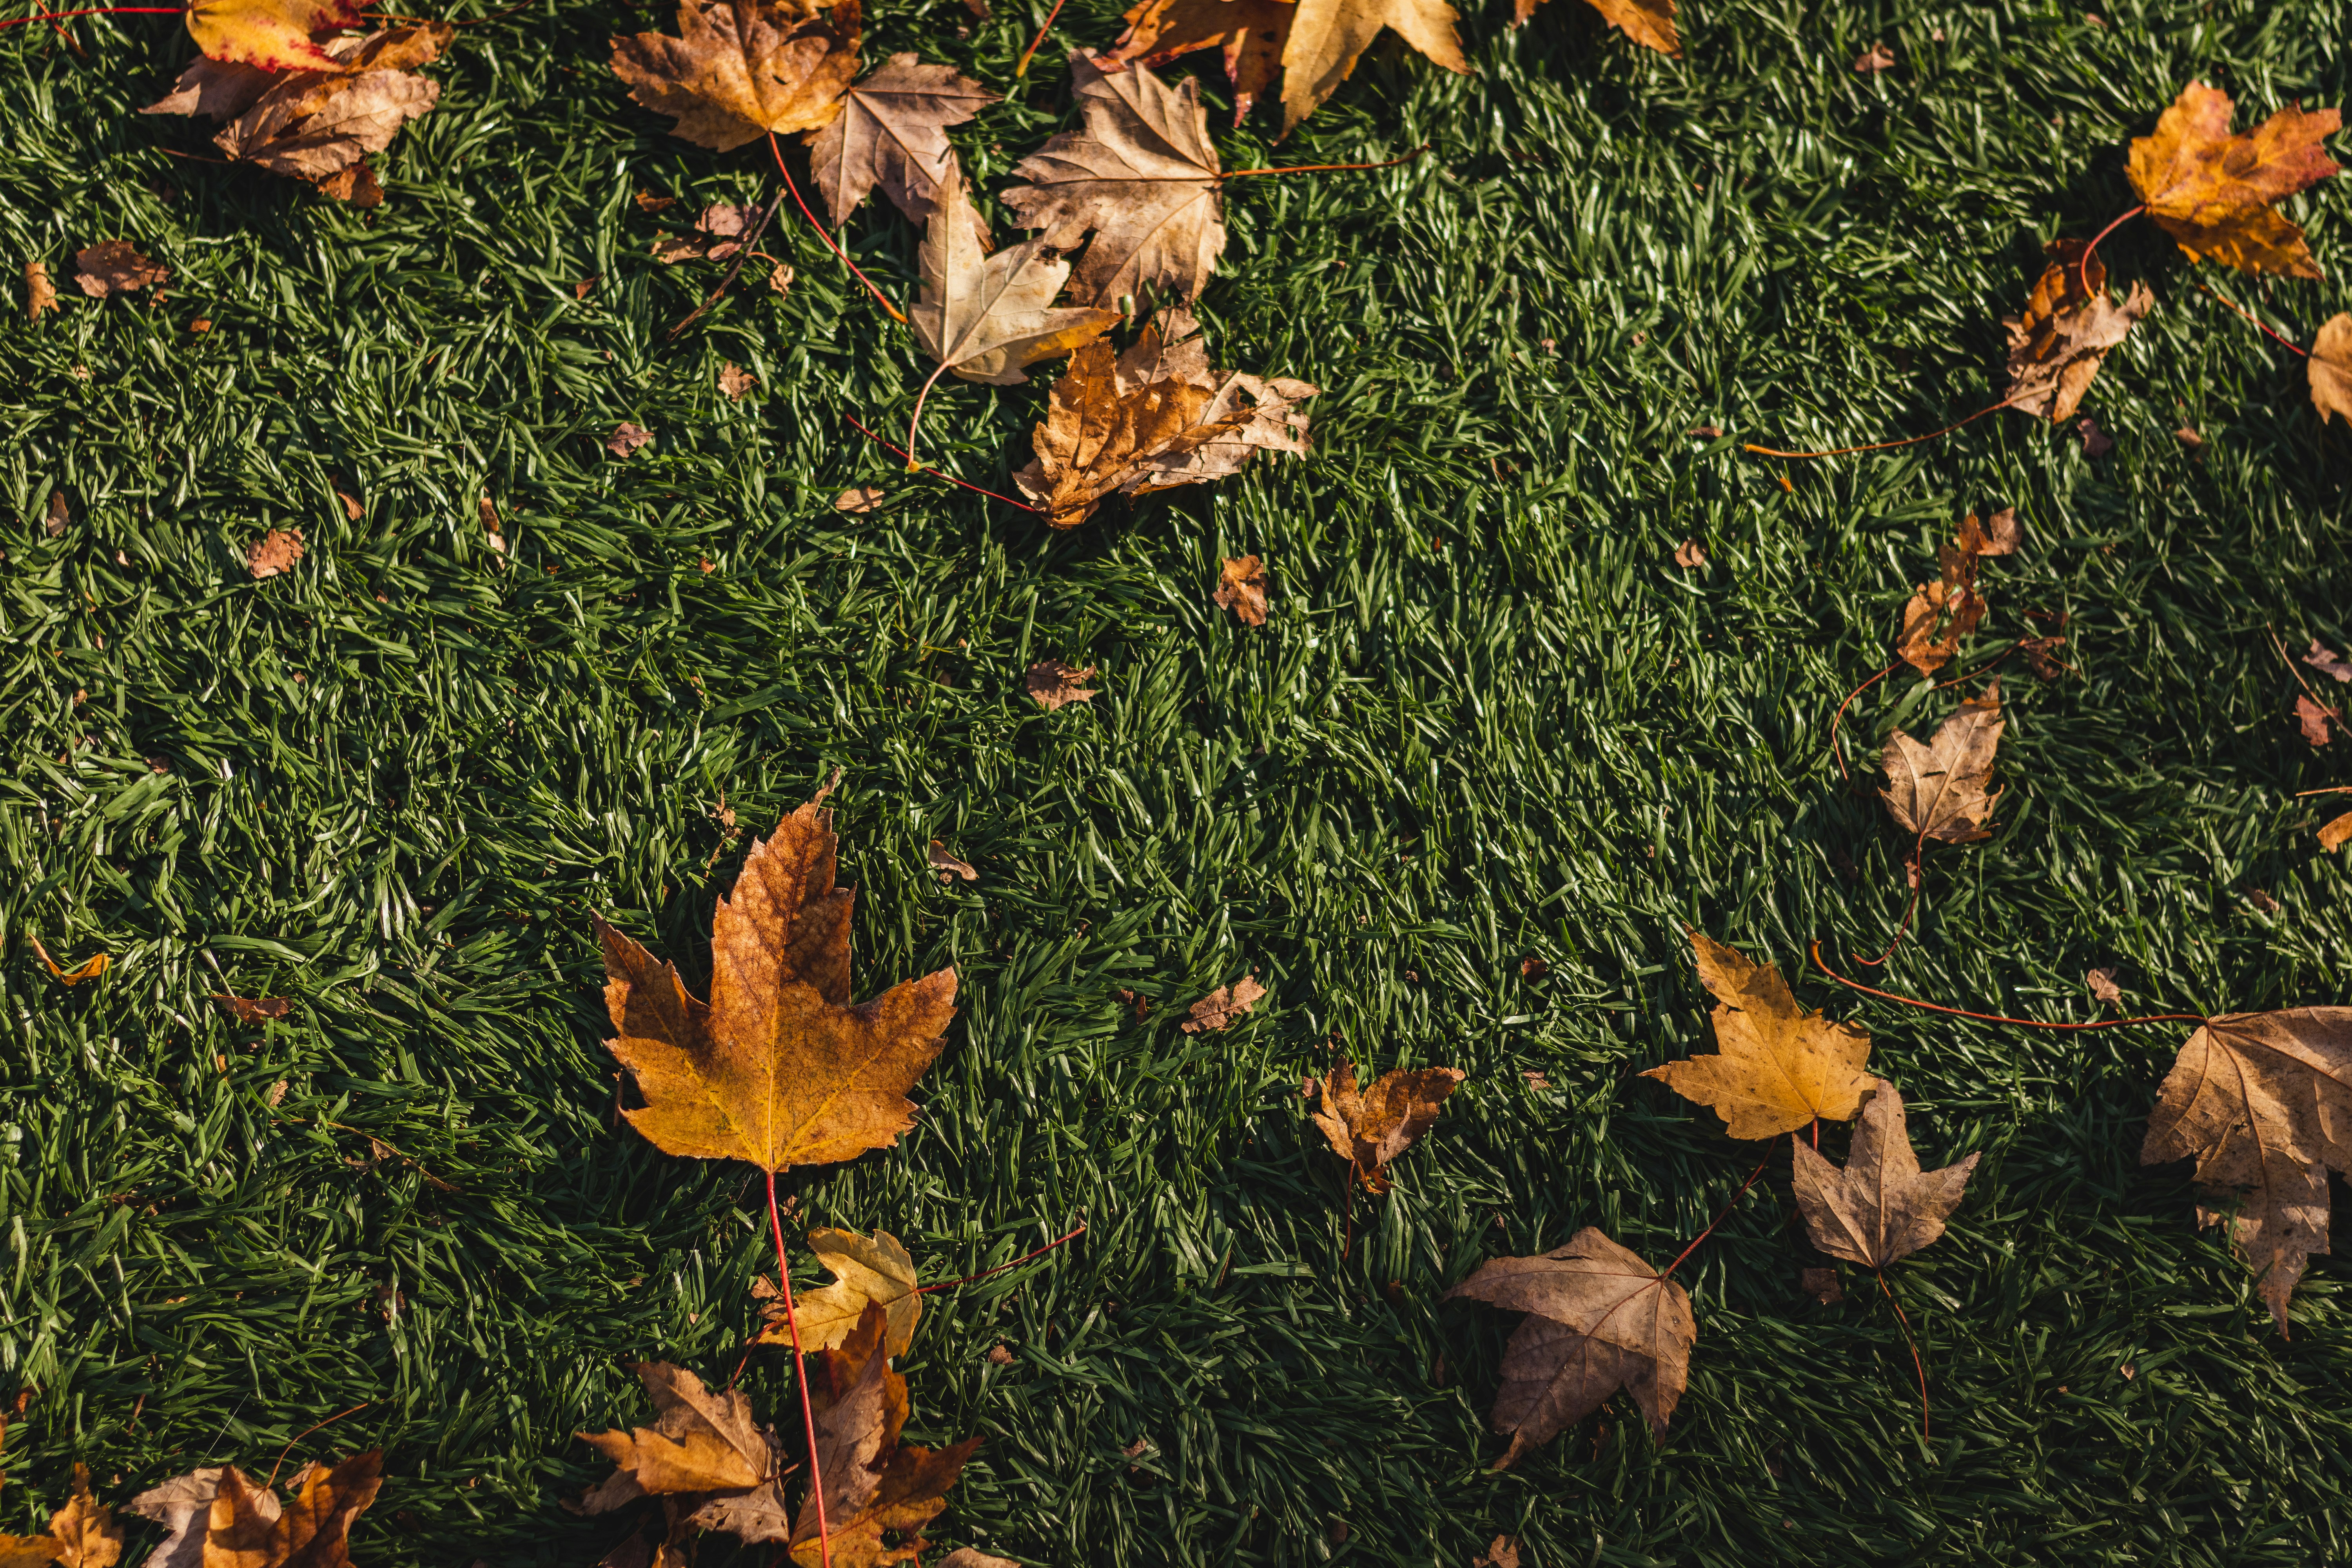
x=2212, y=190
x=876, y=1270
x=1779, y=1067
x=987, y=317
x=2070, y=322
x=1937, y=791
x=1881, y=1207
x=741, y=70
x=1368, y=1127
x=892, y=131
x=82, y=1534
x=219, y=1519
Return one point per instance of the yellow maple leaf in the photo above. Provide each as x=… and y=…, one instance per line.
x=1779, y=1066
x=274, y=34
x=875, y=1269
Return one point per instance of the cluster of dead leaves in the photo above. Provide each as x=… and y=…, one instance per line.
x=217, y=1518
x=2212, y=190
x=299, y=91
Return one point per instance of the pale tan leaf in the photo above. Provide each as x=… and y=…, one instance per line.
x=1224, y=1006
x=892, y=131
x=1055, y=684
x=875, y=1269
x=1880, y=1207
x=2329, y=368
x=986, y=316
x=1937, y=791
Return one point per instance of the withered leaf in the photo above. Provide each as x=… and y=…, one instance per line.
x=777, y=1070
x=2212, y=190
x=2262, y=1100
x=1327, y=36
x=246, y=1527
x=115, y=266
x=740, y=70
x=1822, y=1285
x=716, y=234
x=702, y=1443
x=89, y=968
x=1240, y=588
x=60, y=515
x=270, y=34
x=985, y=317
x=275, y=552
x=1937, y=791
x=82, y=1534
x=874, y=1483
x=2329, y=368
x=1942, y=615
x=2070, y=322
x=734, y=381
x=1999, y=535
x=39, y=293
x=2314, y=718
x=2096, y=442
x=1503, y=1552
x=183, y=1505
x=1601, y=1319
x=1371, y=1126
x=1779, y=1067
x=949, y=868
x=2337, y=832
x=253, y=1010
x=2325, y=660
x=1688, y=556
x=1876, y=59
x=1223, y=1006
x=892, y=131
x=1650, y=23
x=1151, y=419
x=2102, y=984
x=967, y=1557
x=1141, y=177
x=875, y=1269
x=627, y=437
x=1251, y=33
x=1881, y=1207
x=1055, y=684
x=860, y=498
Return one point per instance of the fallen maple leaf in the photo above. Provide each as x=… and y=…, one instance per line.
x=625, y=438
x=873, y=1482
x=2314, y=719
x=892, y=131
x=1877, y=58
x=115, y=266
x=40, y=294
x=2262, y=1100
x=1601, y=1319
x=740, y=70
x=272, y=35
x=1650, y=23
x=2070, y=322
x=705, y=1451
x=2102, y=984
x=274, y=551
x=1251, y=33
x=1142, y=177
x=254, y=1010
x=860, y=497
x=2337, y=832
x=1240, y=588
x=1223, y=1006
x=82, y=1534
x=873, y=1269
x=1779, y=1067
x=218, y=1519
x=2325, y=660
x=1880, y=1207
x=734, y=381
x=2211, y=191
x=1369, y=1127
x=1055, y=684
x=949, y=868
x=2328, y=368
x=1937, y=791
x=777, y=1070
x=1939, y=615
x=1327, y=36
x=984, y=316
x=1999, y=535
x=1151, y=419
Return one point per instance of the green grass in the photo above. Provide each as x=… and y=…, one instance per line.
x=1488, y=718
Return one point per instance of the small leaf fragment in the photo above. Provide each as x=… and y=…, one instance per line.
x=860, y=498
x=2325, y=660
x=39, y=293
x=1251, y=33
x=1240, y=588
x=1221, y=1006
x=115, y=266
x=1372, y=1126
x=627, y=437
x=2337, y=832
x=949, y=868
x=2314, y=719
x=275, y=552
x=251, y=1009
x=1055, y=684
x=2329, y=368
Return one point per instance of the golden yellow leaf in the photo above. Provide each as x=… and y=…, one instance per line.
x=28, y=1550
x=274, y=34
x=777, y=1070
x=1327, y=36
x=701, y=1441
x=40, y=294
x=876, y=1270
x=1368, y=1127
x=740, y=70
x=89, y=968
x=2211, y=191
x=1780, y=1067
x=2330, y=368
x=1649, y=23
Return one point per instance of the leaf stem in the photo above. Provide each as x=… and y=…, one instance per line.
x=917, y=416
x=799, y=1368
x=1835, y=750
x=823, y=234
x=306, y=1431
x=2250, y=316
x=1718, y=1218
x=968, y=1278
x=1918, y=868
x=1996, y=1018
x=1037, y=43
x=1327, y=168
x=1878, y=445
x=915, y=468
x=1916, y=1364
x=2082, y=268
x=95, y=11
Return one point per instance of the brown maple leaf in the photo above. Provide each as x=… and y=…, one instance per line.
x=2263, y=1101
x=2337, y=832
x=1372, y=1126
x=1055, y=684
x=2070, y=322
x=705, y=1453
x=1327, y=36
x=874, y=1484
x=2329, y=368
x=892, y=131
x=777, y=1070
x=274, y=551
x=625, y=438
x=873, y=1269
x=949, y=868
x=1251, y=33
x=1223, y=1006
x=1881, y=1207
x=1600, y=1320
x=1142, y=177
x=1937, y=791
x=40, y=294
x=985, y=317
x=253, y=1010
x=1779, y=1067
x=1240, y=588
x=221, y=1519
x=2212, y=190
x=739, y=69
x=1999, y=535
x=115, y=266
x=183, y=1505
x=1151, y=419
x=734, y=381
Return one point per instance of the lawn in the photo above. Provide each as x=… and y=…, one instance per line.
x=1489, y=718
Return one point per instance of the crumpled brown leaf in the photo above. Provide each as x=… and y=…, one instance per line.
x=705, y=1449
x=252, y=1009
x=246, y=1526
x=2264, y=1100
x=1942, y=615
x=115, y=266
x=875, y=1269
x=627, y=437
x=739, y=69
x=1141, y=177
x=2057, y=344
x=1937, y=791
x=949, y=868
x=2327, y=662
x=892, y=131
x=2314, y=717
x=40, y=294
x=1250, y=33
x=1371, y=1126
x=2212, y=190
x=1151, y=419
x=275, y=552
x=82, y=1534
x=2336, y=832
x=1778, y=1066
x=1880, y=1207
x=777, y=1070
x=716, y=234
x=874, y=1484
x=1601, y=1319
x=183, y=1504
x=986, y=316
x=1223, y=1006
x=1240, y=588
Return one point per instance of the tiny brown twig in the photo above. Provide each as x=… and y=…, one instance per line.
x=1877, y=446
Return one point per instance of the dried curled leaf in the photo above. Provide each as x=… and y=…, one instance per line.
x=1780, y=1067
x=2264, y=1100
x=1602, y=1319
x=777, y=1070
x=705, y=1449
x=1327, y=36
x=115, y=266
x=985, y=317
x=739, y=69
x=40, y=294
x=1055, y=684
x=875, y=1486
x=2212, y=190
x=253, y=1009
x=1368, y=1127
x=246, y=1527
x=1223, y=1006
x=1942, y=615
x=1251, y=33
x=1880, y=1207
x=275, y=552
x=82, y=1534
x=270, y=34
x=1937, y=791
x=876, y=1270
x=1240, y=588
x=2070, y=322
x=1141, y=177
x=892, y=131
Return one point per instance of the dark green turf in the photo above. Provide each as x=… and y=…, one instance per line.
x=1488, y=718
